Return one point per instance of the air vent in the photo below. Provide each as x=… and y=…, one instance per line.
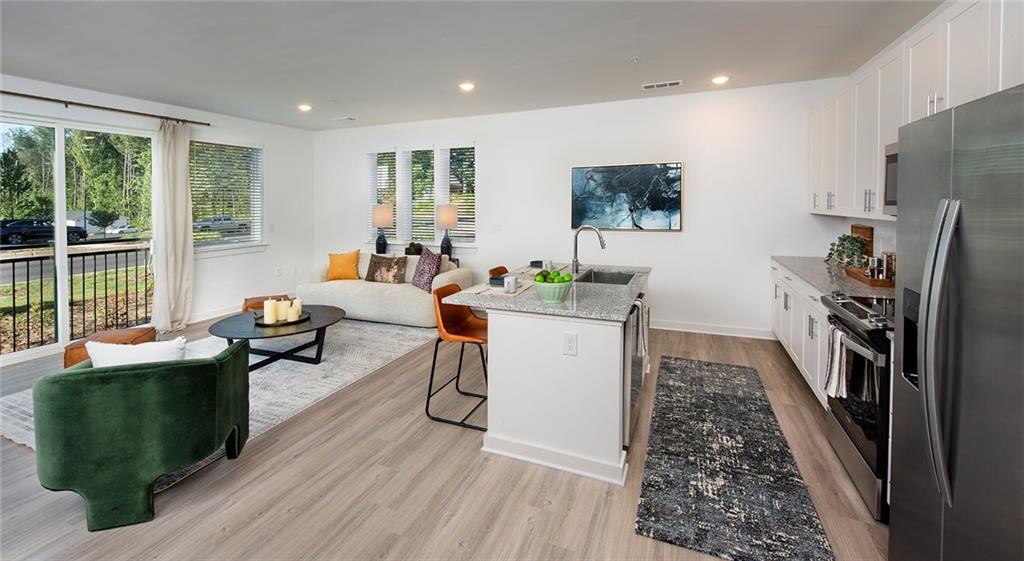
x=344, y=119
x=661, y=85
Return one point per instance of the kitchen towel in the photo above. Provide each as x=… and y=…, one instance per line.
x=835, y=382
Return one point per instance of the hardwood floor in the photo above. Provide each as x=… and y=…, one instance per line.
x=364, y=474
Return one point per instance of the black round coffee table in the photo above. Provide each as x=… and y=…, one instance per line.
x=243, y=326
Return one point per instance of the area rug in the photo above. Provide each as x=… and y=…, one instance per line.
x=277, y=391
x=719, y=476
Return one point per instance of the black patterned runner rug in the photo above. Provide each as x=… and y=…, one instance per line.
x=719, y=476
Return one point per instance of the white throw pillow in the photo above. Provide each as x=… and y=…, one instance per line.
x=111, y=354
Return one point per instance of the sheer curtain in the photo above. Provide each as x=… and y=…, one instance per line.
x=172, y=228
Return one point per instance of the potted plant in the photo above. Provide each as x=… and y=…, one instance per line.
x=414, y=249
x=848, y=252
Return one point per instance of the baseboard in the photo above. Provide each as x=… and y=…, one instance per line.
x=234, y=309
x=713, y=329
x=210, y=314
x=589, y=467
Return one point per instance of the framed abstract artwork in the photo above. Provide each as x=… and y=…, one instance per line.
x=642, y=197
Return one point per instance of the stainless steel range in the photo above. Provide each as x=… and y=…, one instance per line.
x=858, y=427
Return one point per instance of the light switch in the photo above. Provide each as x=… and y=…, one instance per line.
x=569, y=344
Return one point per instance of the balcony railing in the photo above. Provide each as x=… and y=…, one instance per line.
x=107, y=289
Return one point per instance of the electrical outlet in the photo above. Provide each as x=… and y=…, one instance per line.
x=569, y=344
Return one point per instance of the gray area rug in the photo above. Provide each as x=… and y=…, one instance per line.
x=719, y=476
x=278, y=391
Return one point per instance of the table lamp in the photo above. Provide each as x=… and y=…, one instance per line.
x=383, y=217
x=447, y=218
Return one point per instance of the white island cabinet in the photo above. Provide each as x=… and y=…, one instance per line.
x=559, y=374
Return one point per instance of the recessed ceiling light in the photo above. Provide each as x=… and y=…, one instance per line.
x=467, y=86
x=719, y=80
x=305, y=107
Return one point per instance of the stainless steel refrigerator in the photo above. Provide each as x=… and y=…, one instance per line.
x=958, y=395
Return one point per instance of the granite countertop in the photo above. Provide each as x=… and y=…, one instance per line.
x=815, y=272
x=586, y=300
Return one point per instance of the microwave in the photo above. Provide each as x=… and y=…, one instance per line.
x=889, y=188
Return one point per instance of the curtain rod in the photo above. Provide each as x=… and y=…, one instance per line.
x=66, y=103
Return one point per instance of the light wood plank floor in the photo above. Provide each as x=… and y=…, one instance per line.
x=364, y=474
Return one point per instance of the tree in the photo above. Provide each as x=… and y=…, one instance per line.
x=102, y=218
x=15, y=185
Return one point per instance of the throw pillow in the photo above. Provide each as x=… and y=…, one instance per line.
x=386, y=269
x=343, y=266
x=112, y=354
x=427, y=268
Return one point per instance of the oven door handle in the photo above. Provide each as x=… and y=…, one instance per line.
x=850, y=343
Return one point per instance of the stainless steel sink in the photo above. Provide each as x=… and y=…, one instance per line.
x=605, y=277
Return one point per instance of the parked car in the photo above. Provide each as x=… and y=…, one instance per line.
x=224, y=224
x=32, y=230
x=125, y=229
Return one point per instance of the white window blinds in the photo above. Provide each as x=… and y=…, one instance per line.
x=227, y=193
x=422, y=196
x=414, y=182
x=462, y=192
x=384, y=189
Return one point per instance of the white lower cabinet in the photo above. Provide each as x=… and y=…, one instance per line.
x=801, y=325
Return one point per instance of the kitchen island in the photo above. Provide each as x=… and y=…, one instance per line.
x=560, y=374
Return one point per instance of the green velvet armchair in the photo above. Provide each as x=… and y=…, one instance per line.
x=109, y=433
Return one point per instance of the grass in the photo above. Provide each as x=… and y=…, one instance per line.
x=102, y=283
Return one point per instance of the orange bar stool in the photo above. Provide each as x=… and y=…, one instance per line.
x=498, y=271
x=457, y=324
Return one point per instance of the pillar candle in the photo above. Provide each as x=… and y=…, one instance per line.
x=293, y=314
x=269, y=311
x=282, y=309
x=297, y=303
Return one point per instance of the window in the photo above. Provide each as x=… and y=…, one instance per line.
x=422, y=195
x=414, y=182
x=462, y=192
x=384, y=182
x=227, y=194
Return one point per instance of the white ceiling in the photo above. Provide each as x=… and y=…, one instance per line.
x=396, y=62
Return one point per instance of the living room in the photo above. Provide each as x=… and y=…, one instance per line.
x=323, y=203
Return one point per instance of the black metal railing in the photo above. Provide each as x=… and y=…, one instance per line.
x=21, y=326
x=107, y=289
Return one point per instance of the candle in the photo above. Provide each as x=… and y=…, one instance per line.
x=297, y=303
x=282, y=309
x=293, y=314
x=269, y=311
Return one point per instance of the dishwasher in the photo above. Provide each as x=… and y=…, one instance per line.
x=635, y=364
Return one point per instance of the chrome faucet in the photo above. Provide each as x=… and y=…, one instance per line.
x=576, y=246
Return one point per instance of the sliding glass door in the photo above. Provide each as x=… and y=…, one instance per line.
x=27, y=266
x=107, y=186
x=74, y=238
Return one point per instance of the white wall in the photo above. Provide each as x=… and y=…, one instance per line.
x=223, y=278
x=745, y=193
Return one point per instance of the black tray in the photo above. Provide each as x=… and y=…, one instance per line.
x=304, y=316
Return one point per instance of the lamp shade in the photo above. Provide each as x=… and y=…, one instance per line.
x=383, y=217
x=447, y=216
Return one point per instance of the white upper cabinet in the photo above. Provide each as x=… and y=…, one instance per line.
x=866, y=150
x=970, y=72
x=843, y=199
x=926, y=71
x=817, y=201
x=1012, y=48
x=828, y=154
x=964, y=51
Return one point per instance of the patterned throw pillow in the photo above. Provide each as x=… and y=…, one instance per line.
x=386, y=269
x=426, y=270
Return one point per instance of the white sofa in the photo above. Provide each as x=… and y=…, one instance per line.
x=402, y=304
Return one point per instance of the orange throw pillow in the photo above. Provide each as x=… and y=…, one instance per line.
x=343, y=266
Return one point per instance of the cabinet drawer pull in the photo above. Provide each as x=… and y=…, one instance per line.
x=787, y=278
